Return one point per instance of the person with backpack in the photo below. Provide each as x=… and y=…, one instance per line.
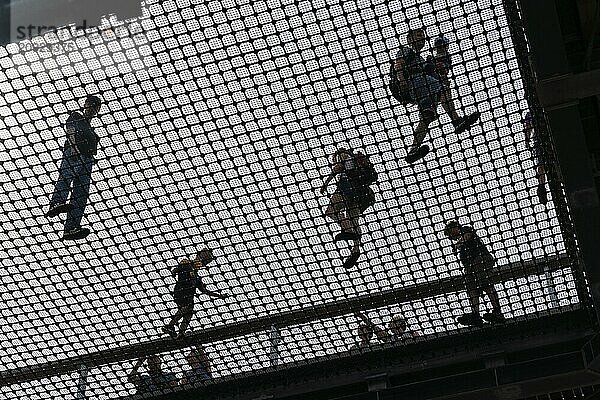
x=352, y=197
x=188, y=281
x=413, y=81
x=478, y=264
x=76, y=170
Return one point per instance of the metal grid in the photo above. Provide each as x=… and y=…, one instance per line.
x=217, y=127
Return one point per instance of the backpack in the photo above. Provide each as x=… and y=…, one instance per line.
x=364, y=173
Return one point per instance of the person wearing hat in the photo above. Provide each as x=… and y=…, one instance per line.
x=76, y=169
x=188, y=281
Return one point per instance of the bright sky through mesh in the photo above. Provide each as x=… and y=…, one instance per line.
x=218, y=125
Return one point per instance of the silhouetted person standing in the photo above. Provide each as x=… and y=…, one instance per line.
x=478, y=263
x=76, y=169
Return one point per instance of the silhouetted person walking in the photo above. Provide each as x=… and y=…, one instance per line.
x=188, y=281
x=478, y=263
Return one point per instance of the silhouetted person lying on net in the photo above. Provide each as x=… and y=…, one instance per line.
x=184, y=293
x=478, y=264
x=76, y=169
x=200, y=367
x=397, y=330
x=416, y=81
x=156, y=381
x=352, y=197
x=532, y=139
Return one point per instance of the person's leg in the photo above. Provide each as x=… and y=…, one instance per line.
x=474, y=295
x=62, y=187
x=496, y=315
x=178, y=315
x=460, y=124
x=169, y=328
x=425, y=91
x=353, y=214
x=79, y=197
x=494, y=298
x=188, y=313
x=473, y=292
x=336, y=211
x=448, y=104
x=420, y=132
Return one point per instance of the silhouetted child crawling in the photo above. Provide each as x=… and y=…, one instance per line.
x=185, y=290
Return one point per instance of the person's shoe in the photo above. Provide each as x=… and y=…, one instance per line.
x=494, y=318
x=351, y=261
x=542, y=194
x=471, y=319
x=416, y=155
x=169, y=330
x=465, y=123
x=58, y=209
x=345, y=235
x=76, y=233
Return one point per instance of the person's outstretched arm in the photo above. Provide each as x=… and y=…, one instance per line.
x=203, y=289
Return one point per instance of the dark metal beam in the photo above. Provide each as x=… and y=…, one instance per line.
x=568, y=89
x=487, y=363
x=295, y=317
